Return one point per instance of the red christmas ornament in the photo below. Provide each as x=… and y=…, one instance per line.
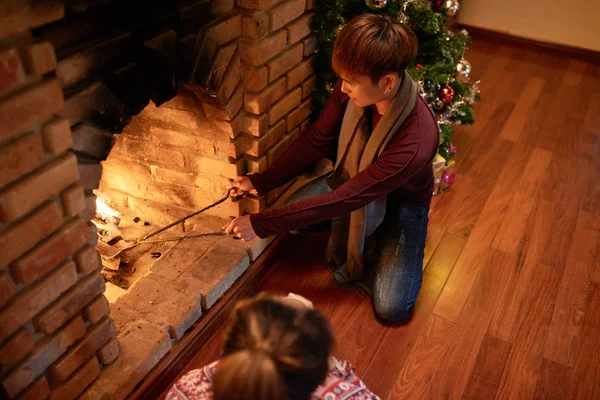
x=447, y=94
x=419, y=67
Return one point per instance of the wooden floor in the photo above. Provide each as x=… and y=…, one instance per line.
x=510, y=302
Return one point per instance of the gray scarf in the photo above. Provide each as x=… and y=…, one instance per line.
x=359, y=148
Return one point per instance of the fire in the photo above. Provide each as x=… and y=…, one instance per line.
x=104, y=211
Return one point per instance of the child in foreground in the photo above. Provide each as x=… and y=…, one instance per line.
x=275, y=348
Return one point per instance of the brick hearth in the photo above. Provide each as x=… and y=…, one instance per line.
x=87, y=101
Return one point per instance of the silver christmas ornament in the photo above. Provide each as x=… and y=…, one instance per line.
x=463, y=70
x=451, y=7
x=376, y=4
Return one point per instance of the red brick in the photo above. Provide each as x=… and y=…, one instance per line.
x=255, y=26
x=285, y=61
x=165, y=305
x=26, y=194
x=90, y=207
x=308, y=87
x=222, y=6
x=7, y=288
x=256, y=4
x=212, y=166
x=219, y=65
x=253, y=205
x=126, y=150
x=77, y=384
x=257, y=53
x=304, y=125
x=46, y=352
x=94, y=338
x=310, y=45
x=298, y=115
x=300, y=28
x=109, y=352
x=92, y=141
x=255, y=79
x=207, y=183
x=257, y=103
x=47, y=255
x=15, y=349
x=279, y=149
x=142, y=345
x=255, y=125
x=14, y=17
x=299, y=73
x=97, y=309
x=40, y=58
x=230, y=82
x=257, y=148
x=281, y=108
x=255, y=165
x=90, y=175
x=70, y=304
x=214, y=272
x=235, y=102
x=11, y=70
x=40, y=390
x=224, y=31
x=220, y=114
x=286, y=12
x=57, y=136
x=20, y=157
x=94, y=230
x=87, y=260
x=35, y=298
x=22, y=236
x=44, y=12
x=73, y=200
x=29, y=107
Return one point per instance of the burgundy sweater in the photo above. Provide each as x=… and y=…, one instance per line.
x=403, y=171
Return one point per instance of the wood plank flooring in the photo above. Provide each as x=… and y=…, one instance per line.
x=510, y=303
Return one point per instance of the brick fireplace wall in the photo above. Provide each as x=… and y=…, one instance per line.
x=245, y=98
x=55, y=333
x=73, y=91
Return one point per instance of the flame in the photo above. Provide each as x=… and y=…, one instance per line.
x=104, y=211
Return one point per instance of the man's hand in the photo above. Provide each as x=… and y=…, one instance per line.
x=241, y=227
x=241, y=186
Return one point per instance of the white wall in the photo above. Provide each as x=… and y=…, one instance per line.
x=573, y=23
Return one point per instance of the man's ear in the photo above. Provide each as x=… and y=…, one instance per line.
x=389, y=81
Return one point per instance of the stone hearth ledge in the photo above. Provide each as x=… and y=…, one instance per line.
x=161, y=306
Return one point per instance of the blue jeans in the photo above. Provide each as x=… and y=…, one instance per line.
x=397, y=266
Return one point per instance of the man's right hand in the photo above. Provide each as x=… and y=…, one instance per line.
x=241, y=186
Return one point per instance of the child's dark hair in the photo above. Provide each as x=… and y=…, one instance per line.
x=373, y=45
x=272, y=351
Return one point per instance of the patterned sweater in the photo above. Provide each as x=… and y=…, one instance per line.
x=341, y=383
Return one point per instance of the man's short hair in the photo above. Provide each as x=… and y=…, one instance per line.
x=373, y=45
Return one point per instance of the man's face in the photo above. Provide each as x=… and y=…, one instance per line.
x=362, y=90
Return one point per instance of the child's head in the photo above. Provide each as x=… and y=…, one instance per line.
x=274, y=350
x=370, y=54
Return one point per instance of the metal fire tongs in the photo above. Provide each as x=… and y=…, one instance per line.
x=145, y=240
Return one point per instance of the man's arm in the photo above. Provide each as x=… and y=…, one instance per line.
x=397, y=164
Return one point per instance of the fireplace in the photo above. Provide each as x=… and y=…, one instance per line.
x=131, y=115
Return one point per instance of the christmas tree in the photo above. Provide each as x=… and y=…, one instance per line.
x=442, y=73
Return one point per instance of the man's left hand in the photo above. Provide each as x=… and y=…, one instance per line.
x=241, y=227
